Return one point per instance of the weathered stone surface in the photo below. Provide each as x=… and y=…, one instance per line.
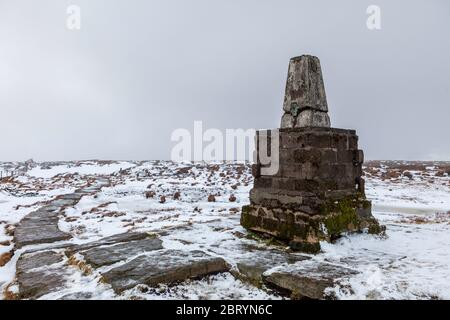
x=39, y=274
x=117, y=238
x=317, y=193
x=306, y=224
x=64, y=202
x=39, y=233
x=287, y=121
x=107, y=255
x=301, y=200
x=313, y=118
x=41, y=259
x=304, y=86
x=307, y=279
x=77, y=296
x=252, y=268
x=76, y=196
x=41, y=226
x=164, y=266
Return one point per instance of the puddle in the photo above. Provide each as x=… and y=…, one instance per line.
x=406, y=210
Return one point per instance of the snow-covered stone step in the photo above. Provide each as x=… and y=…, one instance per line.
x=307, y=279
x=40, y=273
x=164, y=267
x=108, y=255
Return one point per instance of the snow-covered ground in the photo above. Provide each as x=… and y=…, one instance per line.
x=413, y=201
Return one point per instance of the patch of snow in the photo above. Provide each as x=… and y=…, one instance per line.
x=83, y=169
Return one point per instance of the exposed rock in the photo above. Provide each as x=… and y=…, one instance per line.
x=251, y=268
x=41, y=226
x=408, y=175
x=65, y=202
x=164, y=266
x=107, y=255
x=76, y=196
x=150, y=194
x=117, y=238
x=37, y=234
x=39, y=274
x=77, y=296
x=307, y=279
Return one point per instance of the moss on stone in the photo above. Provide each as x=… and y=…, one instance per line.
x=337, y=216
x=341, y=217
x=376, y=228
x=290, y=230
x=366, y=204
x=246, y=219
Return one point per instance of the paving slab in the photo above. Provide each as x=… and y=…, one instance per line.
x=107, y=255
x=40, y=273
x=164, y=267
x=307, y=279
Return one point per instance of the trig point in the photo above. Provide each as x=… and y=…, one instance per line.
x=318, y=192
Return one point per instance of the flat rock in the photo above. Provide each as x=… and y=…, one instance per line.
x=63, y=202
x=117, y=238
x=307, y=279
x=39, y=274
x=49, y=208
x=77, y=296
x=74, y=196
x=36, y=234
x=39, y=218
x=41, y=226
x=164, y=267
x=107, y=255
x=37, y=260
x=254, y=262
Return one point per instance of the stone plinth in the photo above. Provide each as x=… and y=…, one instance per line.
x=318, y=192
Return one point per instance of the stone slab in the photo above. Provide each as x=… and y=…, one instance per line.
x=164, y=267
x=37, y=234
x=39, y=274
x=107, y=255
x=307, y=279
x=252, y=267
x=117, y=238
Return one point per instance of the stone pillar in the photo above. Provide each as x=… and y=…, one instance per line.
x=305, y=101
x=318, y=192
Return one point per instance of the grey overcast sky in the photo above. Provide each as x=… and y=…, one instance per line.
x=139, y=69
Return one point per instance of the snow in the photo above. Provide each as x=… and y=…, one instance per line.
x=217, y=287
x=83, y=169
x=411, y=262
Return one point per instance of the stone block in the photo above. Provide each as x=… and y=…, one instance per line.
x=304, y=86
x=358, y=157
x=312, y=118
x=287, y=121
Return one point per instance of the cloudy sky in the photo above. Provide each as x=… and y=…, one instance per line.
x=137, y=70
